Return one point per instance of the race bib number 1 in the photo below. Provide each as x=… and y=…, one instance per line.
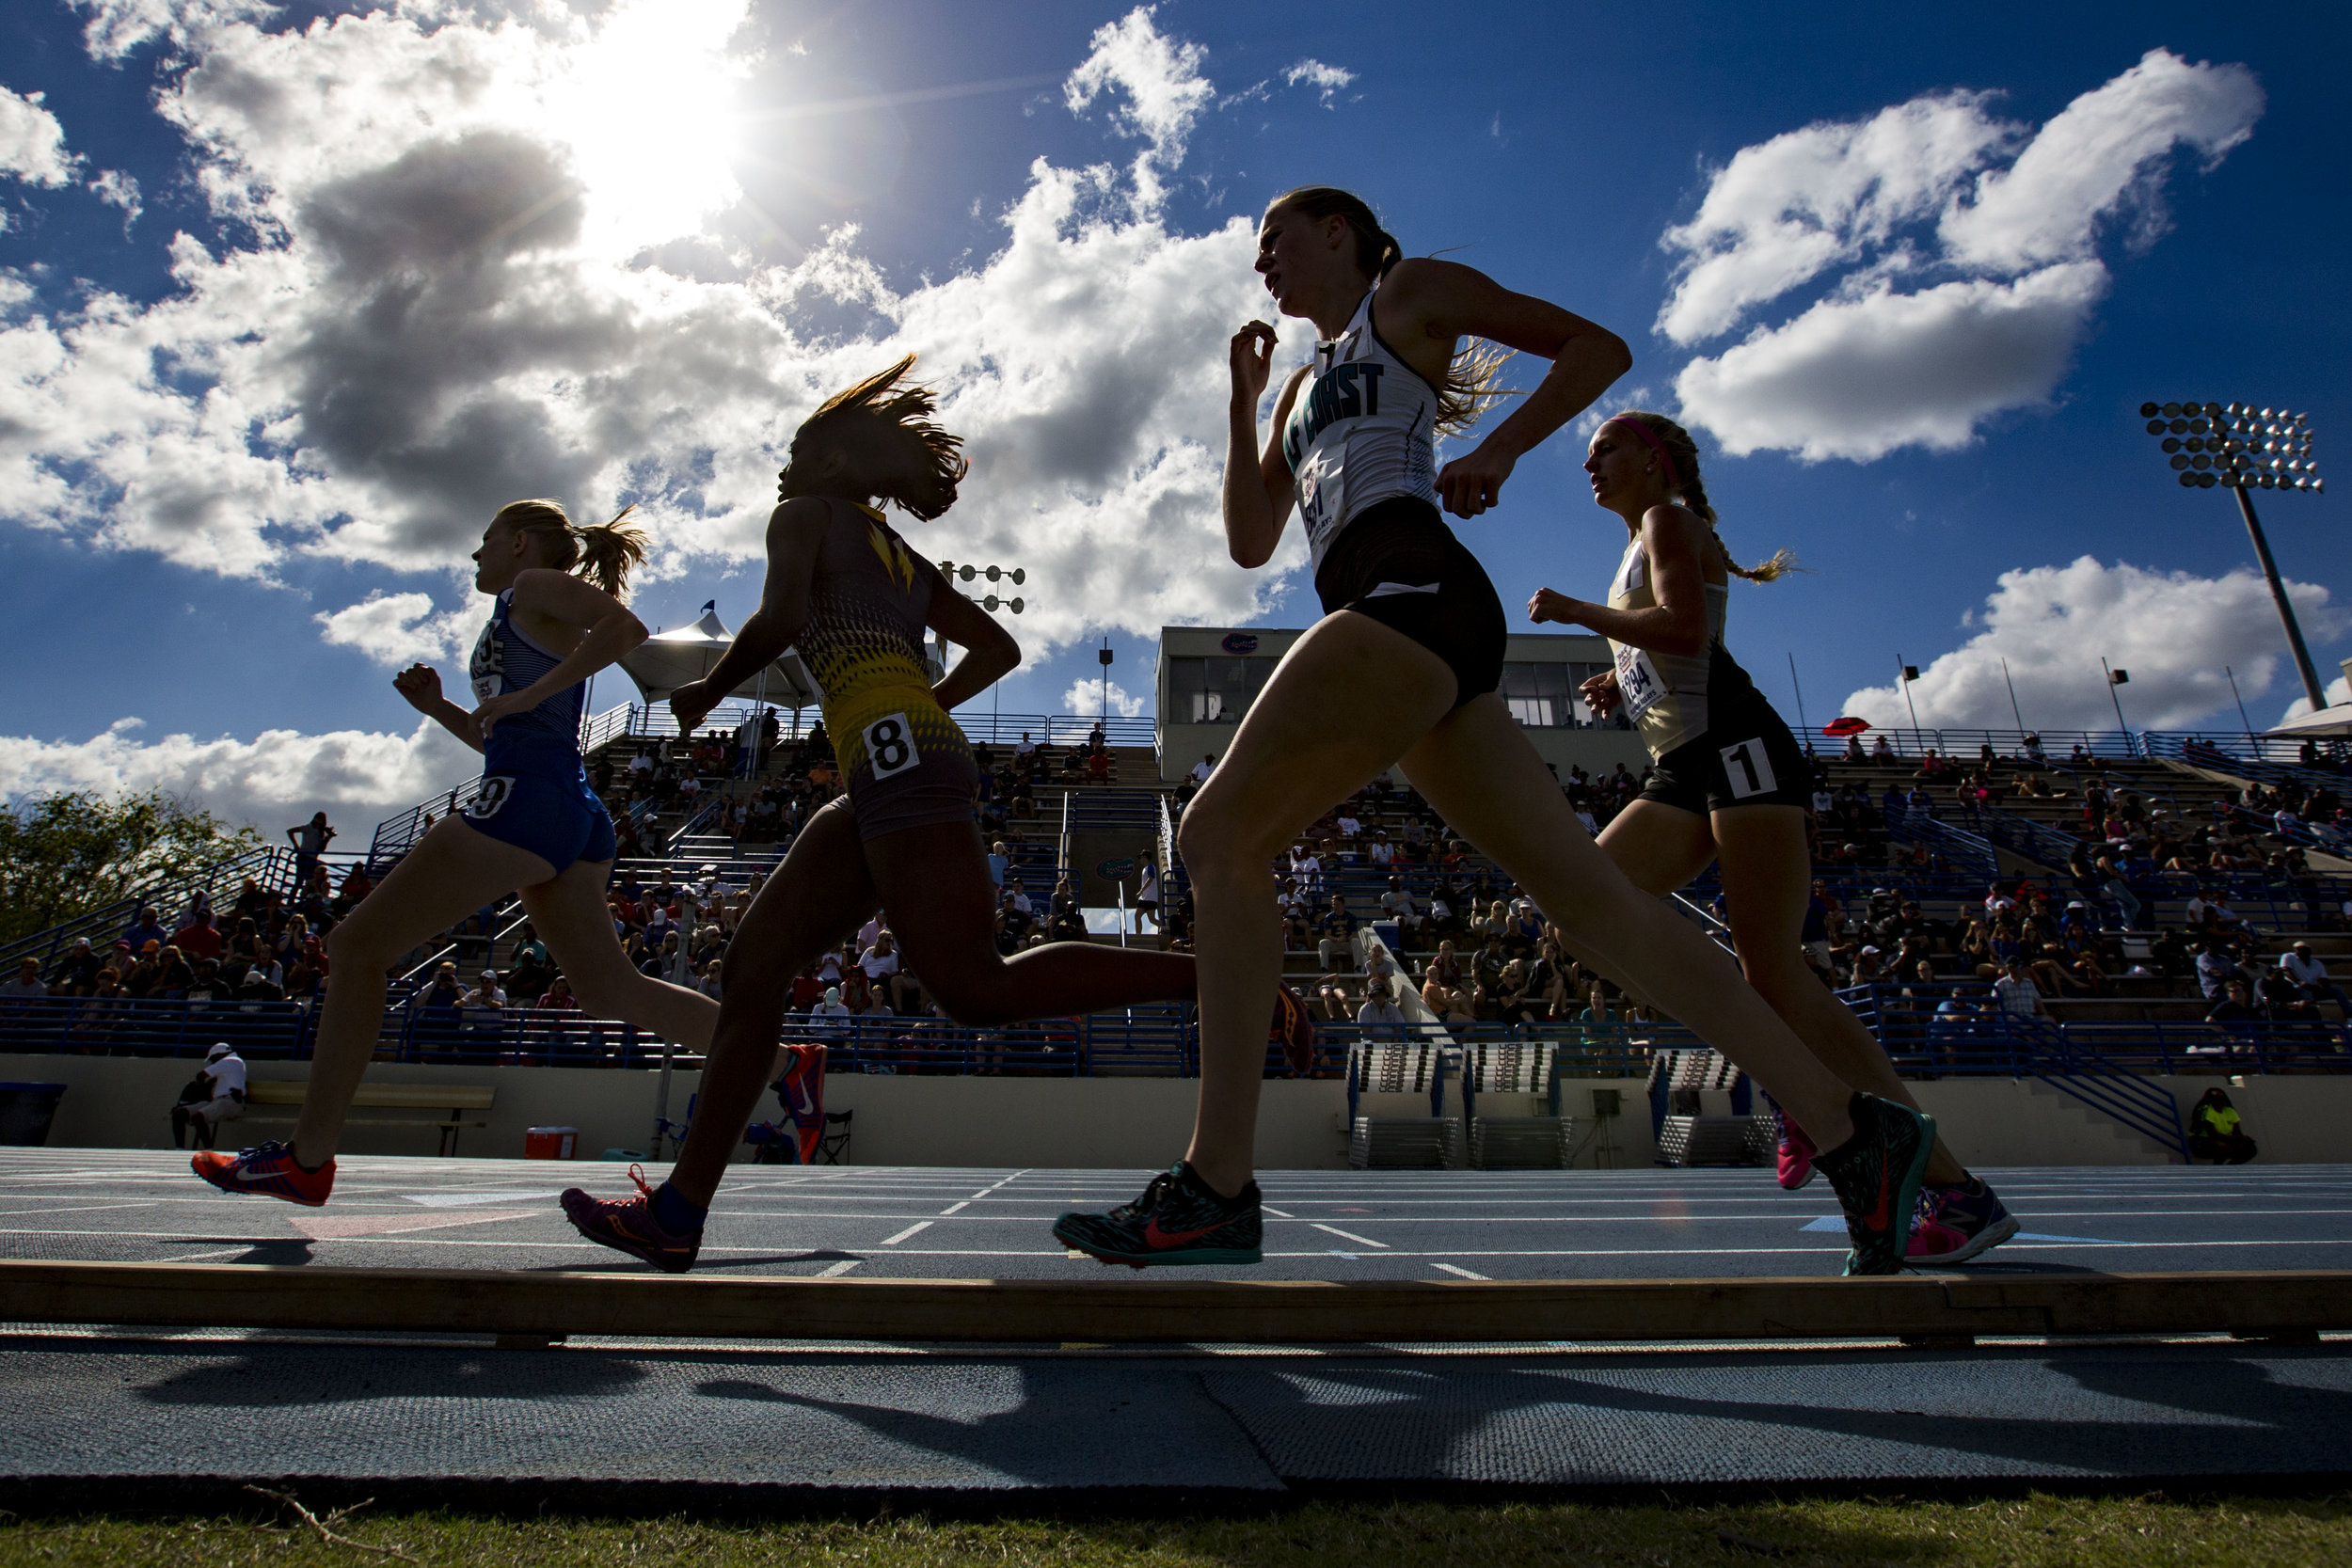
x=1748, y=770
x=890, y=745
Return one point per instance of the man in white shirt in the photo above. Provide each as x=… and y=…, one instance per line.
x=225, y=1075
x=867, y=935
x=2311, y=978
x=2215, y=970
x=1307, y=867
x=1027, y=748
x=829, y=1014
x=1349, y=825
x=1202, y=769
x=1380, y=852
x=27, y=984
x=1380, y=1012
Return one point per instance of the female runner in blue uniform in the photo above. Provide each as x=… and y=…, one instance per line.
x=1402, y=669
x=1728, y=786
x=535, y=827
x=847, y=590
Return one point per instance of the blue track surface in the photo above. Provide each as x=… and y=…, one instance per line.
x=148, y=1405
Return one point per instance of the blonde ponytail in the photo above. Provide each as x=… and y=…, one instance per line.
x=604, y=554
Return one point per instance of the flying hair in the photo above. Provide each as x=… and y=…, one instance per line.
x=1670, y=441
x=1468, y=384
x=603, y=554
x=887, y=443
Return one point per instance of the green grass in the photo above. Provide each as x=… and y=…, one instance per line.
x=2025, y=1531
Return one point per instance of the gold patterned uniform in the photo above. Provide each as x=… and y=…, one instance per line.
x=907, y=763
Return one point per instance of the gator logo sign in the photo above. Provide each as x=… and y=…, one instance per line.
x=1117, y=870
x=1240, y=642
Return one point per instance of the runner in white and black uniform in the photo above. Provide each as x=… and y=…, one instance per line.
x=1729, y=786
x=1401, y=670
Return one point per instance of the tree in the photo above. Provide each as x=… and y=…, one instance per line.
x=73, y=852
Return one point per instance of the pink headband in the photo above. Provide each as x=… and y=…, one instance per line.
x=1655, y=444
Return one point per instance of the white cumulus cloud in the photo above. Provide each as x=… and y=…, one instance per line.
x=1959, y=250
x=32, y=143
x=280, y=776
x=399, y=630
x=1088, y=696
x=1160, y=79
x=2174, y=632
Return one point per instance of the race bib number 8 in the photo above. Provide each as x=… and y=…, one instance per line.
x=1748, y=770
x=890, y=745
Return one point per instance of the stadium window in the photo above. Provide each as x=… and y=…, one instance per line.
x=1215, y=690
x=1547, y=696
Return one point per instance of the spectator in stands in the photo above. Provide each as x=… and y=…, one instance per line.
x=2216, y=969
x=2015, y=994
x=557, y=997
x=309, y=842
x=2235, y=1009
x=1335, y=930
x=215, y=1096
x=306, y=973
x=483, y=1009
x=831, y=1015
x=77, y=972
x=198, y=939
x=2311, y=979
x=2216, y=1131
x=2282, y=1001
x=446, y=991
x=1013, y=923
x=265, y=981
x=1380, y=1016
x=144, y=930
x=27, y=987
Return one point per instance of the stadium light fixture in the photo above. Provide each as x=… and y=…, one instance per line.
x=2244, y=449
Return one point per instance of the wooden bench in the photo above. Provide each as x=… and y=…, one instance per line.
x=452, y=1098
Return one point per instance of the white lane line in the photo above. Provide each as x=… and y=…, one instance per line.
x=1276, y=1212
x=77, y=1209
x=1351, y=1236
x=893, y=1241
x=461, y=1200
x=953, y=1207
x=1464, y=1273
x=192, y=1257
x=834, y=1271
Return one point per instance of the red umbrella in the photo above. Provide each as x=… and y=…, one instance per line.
x=1845, y=726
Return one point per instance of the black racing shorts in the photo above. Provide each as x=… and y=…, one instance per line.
x=1399, y=563
x=911, y=768
x=1747, y=757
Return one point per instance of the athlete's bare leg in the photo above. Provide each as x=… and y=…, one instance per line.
x=1768, y=875
x=451, y=873
x=1347, y=699
x=934, y=881
x=1479, y=771
x=1764, y=860
x=576, y=922
x=821, y=889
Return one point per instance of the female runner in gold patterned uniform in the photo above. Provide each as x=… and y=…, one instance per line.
x=856, y=600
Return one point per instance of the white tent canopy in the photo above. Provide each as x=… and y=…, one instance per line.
x=2327, y=722
x=669, y=659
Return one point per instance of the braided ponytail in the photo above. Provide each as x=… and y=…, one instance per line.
x=1684, y=453
x=1468, y=384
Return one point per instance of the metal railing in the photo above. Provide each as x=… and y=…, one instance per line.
x=273, y=867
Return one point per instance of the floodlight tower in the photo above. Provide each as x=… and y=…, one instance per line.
x=2246, y=449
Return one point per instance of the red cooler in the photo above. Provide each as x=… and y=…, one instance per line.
x=550, y=1143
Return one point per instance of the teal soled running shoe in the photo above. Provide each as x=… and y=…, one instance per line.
x=1179, y=1219
x=1875, y=1174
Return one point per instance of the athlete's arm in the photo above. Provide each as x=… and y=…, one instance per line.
x=1258, y=488
x=608, y=631
x=1672, y=537
x=1441, y=302
x=990, y=654
x=421, y=684
x=796, y=531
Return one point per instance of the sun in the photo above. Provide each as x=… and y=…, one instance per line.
x=650, y=105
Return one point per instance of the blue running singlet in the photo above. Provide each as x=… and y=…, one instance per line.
x=534, y=790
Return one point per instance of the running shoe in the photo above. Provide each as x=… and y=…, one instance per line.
x=627, y=1224
x=1179, y=1219
x=1796, y=1155
x=268, y=1170
x=1294, y=1027
x=1876, y=1174
x=1956, y=1221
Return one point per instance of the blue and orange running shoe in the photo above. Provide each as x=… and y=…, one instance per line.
x=1956, y=1222
x=627, y=1224
x=1795, y=1159
x=1875, y=1174
x=268, y=1170
x=1179, y=1219
x=1293, y=1027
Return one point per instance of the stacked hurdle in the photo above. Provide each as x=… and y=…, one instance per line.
x=1686, y=1136
x=1466, y=1139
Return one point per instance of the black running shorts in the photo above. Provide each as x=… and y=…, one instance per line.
x=1399, y=563
x=1747, y=757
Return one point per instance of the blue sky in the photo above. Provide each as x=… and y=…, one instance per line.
x=252, y=416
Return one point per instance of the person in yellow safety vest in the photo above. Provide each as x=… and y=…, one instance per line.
x=2212, y=1130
